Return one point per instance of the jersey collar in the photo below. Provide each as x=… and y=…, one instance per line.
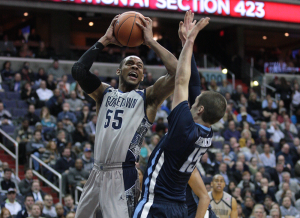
x=204, y=127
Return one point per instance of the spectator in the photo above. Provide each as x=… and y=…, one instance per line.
x=268, y=111
x=245, y=183
x=36, y=211
x=17, y=83
x=292, y=127
x=62, y=90
x=56, y=71
x=36, y=191
x=237, y=194
x=288, y=134
x=85, y=115
x=239, y=169
x=249, y=204
x=90, y=128
x=43, y=93
x=253, y=168
x=297, y=204
x=265, y=102
x=68, y=124
x=7, y=47
x=26, y=211
x=203, y=85
x=25, y=184
x=6, y=72
x=287, y=209
x=244, y=116
x=5, y=116
x=7, y=182
x=77, y=176
x=229, y=115
x=59, y=139
x=5, y=213
x=213, y=86
x=236, y=96
x=268, y=159
x=29, y=95
x=286, y=177
x=51, y=102
x=87, y=160
x=209, y=171
x=42, y=51
x=69, y=204
x=50, y=83
x=72, y=215
x=31, y=116
x=49, y=209
x=246, y=135
x=40, y=76
x=231, y=132
x=66, y=111
x=264, y=190
x=276, y=134
x=11, y=204
x=240, y=211
x=223, y=171
x=47, y=120
x=14, y=178
x=258, y=211
x=67, y=85
x=268, y=204
x=218, y=160
x=149, y=81
x=36, y=147
x=226, y=87
x=274, y=213
x=227, y=157
x=59, y=210
x=27, y=74
x=75, y=103
x=287, y=156
x=290, y=194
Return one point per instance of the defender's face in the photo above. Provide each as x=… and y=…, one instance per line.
x=132, y=70
x=218, y=183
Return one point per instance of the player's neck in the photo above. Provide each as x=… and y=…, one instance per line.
x=126, y=88
x=198, y=120
x=217, y=196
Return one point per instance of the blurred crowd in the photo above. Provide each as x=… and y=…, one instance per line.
x=255, y=147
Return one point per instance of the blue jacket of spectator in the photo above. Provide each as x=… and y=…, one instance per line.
x=249, y=118
x=288, y=158
x=22, y=213
x=51, y=101
x=70, y=115
x=228, y=134
x=62, y=164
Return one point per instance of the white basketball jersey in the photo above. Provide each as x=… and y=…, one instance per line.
x=121, y=126
x=222, y=208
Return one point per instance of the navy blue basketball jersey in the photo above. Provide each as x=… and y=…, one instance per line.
x=173, y=160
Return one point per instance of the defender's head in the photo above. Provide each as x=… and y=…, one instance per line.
x=218, y=183
x=209, y=106
x=131, y=72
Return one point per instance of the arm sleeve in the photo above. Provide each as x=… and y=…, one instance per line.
x=194, y=84
x=80, y=70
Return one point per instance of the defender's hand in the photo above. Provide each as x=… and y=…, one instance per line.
x=109, y=37
x=147, y=29
x=192, y=34
x=186, y=26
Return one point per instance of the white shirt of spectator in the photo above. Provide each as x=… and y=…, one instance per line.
x=296, y=98
x=13, y=208
x=44, y=94
x=51, y=212
x=37, y=196
x=276, y=134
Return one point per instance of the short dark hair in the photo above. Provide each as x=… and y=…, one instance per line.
x=214, y=106
x=7, y=170
x=68, y=195
x=121, y=63
x=27, y=196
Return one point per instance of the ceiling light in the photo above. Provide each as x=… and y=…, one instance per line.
x=91, y=23
x=25, y=14
x=224, y=71
x=80, y=18
x=286, y=34
x=264, y=37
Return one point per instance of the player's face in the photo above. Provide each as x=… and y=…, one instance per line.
x=218, y=183
x=132, y=72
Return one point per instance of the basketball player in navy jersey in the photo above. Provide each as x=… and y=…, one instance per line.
x=174, y=158
x=124, y=116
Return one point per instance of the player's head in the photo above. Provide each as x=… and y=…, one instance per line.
x=218, y=183
x=209, y=106
x=131, y=72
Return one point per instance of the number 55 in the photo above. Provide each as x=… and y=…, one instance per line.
x=117, y=123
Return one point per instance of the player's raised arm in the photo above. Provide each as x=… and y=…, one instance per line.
x=183, y=71
x=89, y=82
x=198, y=187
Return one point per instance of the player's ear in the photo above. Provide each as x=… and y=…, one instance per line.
x=143, y=77
x=118, y=72
x=200, y=110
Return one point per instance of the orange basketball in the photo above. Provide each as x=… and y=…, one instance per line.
x=126, y=31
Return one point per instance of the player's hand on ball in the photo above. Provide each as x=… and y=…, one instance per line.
x=147, y=29
x=109, y=35
x=186, y=26
x=192, y=34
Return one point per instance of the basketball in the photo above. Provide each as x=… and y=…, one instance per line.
x=127, y=32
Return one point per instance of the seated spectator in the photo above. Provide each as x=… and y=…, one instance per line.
x=75, y=103
x=29, y=95
x=46, y=118
x=209, y=170
x=36, y=191
x=36, y=147
x=227, y=158
x=25, y=184
x=5, y=116
x=254, y=106
x=293, y=128
x=266, y=101
x=285, y=151
x=268, y=159
x=68, y=124
x=80, y=135
x=238, y=173
x=223, y=172
x=66, y=111
x=268, y=201
x=268, y=111
x=287, y=209
x=231, y=132
x=249, y=204
x=7, y=182
x=14, y=178
x=218, y=160
x=6, y=72
x=62, y=90
x=229, y=115
x=26, y=74
x=61, y=141
x=26, y=211
x=246, y=135
x=77, y=176
x=69, y=204
x=237, y=194
x=41, y=205
x=87, y=159
x=85, y=115
x=59, y=208
x=31, y=116
x=286, y=177
x=56, y=71
x=51, y=154
x=53, y=100
x=244, y=116
x=42, y=51
x=203, y=85
x=67, y=85
x=40, y=76
x=263, y=190
x=245, y=183
x=63, y=165
x=281, y=160
x=36, y=211
x=17, y=83
x=253, y=168
x=7, y=47
x=226, y=87
x=213, y=86
x=72, y=214
x=49, y=209
x=275, y=132
x=43, y=93
x=258, y=211
x=288, y=134
x=11, y=204
x=50, y=83
x=90, y=128
x=287, y=193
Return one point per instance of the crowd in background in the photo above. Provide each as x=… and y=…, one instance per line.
x=256, y=144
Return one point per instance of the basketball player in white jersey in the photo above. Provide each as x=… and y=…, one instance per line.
x=222, y=203
x=124, y=116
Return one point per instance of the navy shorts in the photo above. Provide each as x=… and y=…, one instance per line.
x=211, y=214
x=164, y=210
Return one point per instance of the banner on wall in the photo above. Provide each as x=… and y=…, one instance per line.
x=279, y=67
